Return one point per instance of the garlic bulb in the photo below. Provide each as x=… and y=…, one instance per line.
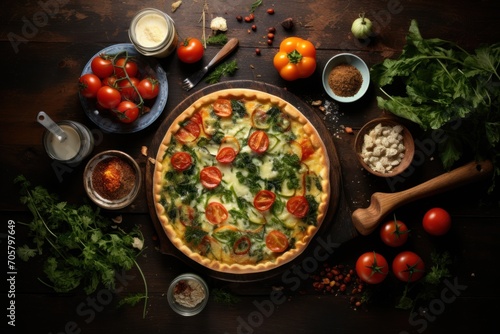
x=361, y=27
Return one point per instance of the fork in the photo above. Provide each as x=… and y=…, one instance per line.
x=194, y=79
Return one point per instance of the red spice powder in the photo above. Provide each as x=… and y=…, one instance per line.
x=113, y=178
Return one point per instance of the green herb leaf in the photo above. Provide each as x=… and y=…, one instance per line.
x=224, y=69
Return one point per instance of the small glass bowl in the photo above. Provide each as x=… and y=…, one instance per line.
x=90, y=187
x=181, y=309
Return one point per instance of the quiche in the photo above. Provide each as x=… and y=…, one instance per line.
x=241, y=181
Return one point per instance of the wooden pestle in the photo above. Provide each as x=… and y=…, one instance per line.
x=366, y=220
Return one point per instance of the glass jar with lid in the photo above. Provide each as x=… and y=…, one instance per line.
x=153, y=33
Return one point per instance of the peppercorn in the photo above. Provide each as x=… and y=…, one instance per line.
x=271, y=30
x=239, y=18
x=254, y=27
x=270, y=11
x=257, y=51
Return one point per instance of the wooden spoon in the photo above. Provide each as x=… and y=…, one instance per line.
x=366, y=220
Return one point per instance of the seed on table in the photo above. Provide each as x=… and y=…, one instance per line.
x=269, y=42
x=270, y=11
x=272, y=30
x=257, y=52
x=247, y=19
x=270, y=35
x=239, y=18
x=254, y=27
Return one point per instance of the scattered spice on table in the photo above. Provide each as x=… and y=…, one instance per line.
x=345, y=80
x=113, y=178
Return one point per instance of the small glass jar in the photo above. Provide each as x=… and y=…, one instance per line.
x=78, y=144
x=152, y=32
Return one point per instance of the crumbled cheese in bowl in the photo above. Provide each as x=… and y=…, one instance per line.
x=189, y=293
x=383, y=148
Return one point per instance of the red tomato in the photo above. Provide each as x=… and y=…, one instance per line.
x=394, y=233
x=437, y=221
x=226, y=155
x=242, y=245
x=109, y=81
x=189, y=132
x=298, y=206
x=372, y=268
x=277, y=241
x=127, y=112
x=102, y=66
x=125, y=67
x=186, y=214
x=264, y=200
x=128, y=88
x=408, y=266
x=89, y=85
x=223, y=108
x=108, y=97
x=149, y=88
x=181, y=161
x=258, y=141
x=216, y=213
x=190, y=50
x=210, y=177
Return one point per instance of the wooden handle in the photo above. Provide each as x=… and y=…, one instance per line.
x=226, y=50
x=366, y=220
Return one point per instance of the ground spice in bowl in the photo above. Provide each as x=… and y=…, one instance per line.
x=345, y=80
x=113, y=178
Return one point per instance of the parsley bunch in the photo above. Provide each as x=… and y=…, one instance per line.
x=446, y=88
x=80, y=248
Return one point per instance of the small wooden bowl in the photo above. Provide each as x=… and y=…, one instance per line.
x=407, y=142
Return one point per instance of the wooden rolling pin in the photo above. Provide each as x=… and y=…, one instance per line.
x=366, y=220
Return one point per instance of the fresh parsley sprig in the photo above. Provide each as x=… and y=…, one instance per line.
x=80, y=247
x=224, y=69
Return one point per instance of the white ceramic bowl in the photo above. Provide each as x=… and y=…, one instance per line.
x=346, y=58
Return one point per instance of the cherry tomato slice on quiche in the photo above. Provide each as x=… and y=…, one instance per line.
x=210, y=177
x=216, y=213
x=242, y=245
x=277, y=241
x=223, y=108
x=226, y=155
x=189, y=132
x=298, y=206
x=258, y=141
x=264, y=200
x=181, y=161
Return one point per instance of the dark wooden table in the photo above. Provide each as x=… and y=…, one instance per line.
x=44, y=47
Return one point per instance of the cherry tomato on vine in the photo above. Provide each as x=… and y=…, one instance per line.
x=109, y=81
x=128, y=88
x=408, y=266
x=436, y=221
x=108, y=97
x=125, y=65
x=148, y=88
x=372, y=268
x=89, y=85
x=190, y=50
x=102, y=67
x=277, y=241
x=127, y=112
x=394, y=233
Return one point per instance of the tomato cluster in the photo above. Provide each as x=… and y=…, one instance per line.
x=407, y=266
x=116, y=86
